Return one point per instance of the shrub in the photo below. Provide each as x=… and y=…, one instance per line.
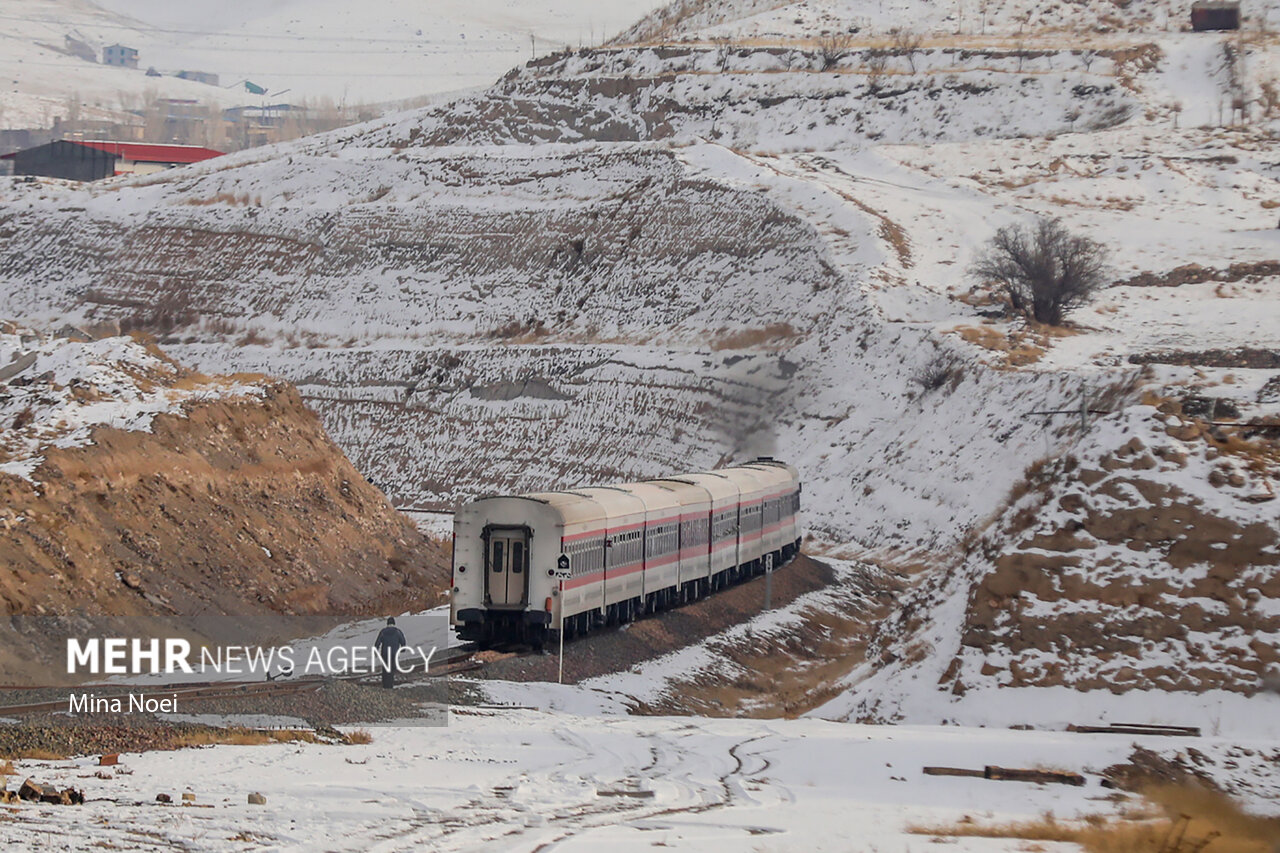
x=938, y=372
x=832, y=48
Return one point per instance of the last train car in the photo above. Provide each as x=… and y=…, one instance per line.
x=527, y=566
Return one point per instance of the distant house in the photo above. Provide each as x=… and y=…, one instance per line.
x=118, y=54
x=199, y=77
x=1215, y=15
x=85, y=160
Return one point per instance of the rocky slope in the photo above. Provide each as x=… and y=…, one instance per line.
x=807, y=20
x=166, y=503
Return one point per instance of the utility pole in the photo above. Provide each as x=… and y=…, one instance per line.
x=561, y=573
x=560, y=608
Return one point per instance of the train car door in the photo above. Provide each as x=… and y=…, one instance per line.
x=507, y=575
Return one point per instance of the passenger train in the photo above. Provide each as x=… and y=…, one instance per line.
x=528, y=566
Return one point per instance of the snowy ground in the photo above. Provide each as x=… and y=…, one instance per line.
x=530, y=780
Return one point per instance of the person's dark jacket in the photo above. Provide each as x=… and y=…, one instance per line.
x=390, y=641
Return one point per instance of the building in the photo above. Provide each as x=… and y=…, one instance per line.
x=118, y=54
x=206, y=77
x=1215, y=15
x=87, y=160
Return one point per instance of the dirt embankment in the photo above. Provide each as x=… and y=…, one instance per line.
x=237, y=522
x=1151, y=567
x=782, y=672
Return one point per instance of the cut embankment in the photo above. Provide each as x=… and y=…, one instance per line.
x=228, y=521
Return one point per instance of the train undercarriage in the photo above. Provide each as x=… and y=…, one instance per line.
x=534, y=628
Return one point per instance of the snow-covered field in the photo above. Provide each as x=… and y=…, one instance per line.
x=526, y=780
x=378, y=52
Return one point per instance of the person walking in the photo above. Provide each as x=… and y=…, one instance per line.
x=388, y=645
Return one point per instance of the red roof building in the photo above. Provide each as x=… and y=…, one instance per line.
x=91, y=160
x=144, y=152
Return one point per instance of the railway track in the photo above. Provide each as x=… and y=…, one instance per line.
x=451, y=662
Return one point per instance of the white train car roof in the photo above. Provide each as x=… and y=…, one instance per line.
x=573, y=508
x=660, y=501
x=721, y=488
x=775, y=477
x=767, y=464
x=751, y=484
x=688, y=493
x=617, y=503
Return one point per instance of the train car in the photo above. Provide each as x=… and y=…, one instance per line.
x=528, y=566
x=751, y=492
x=663, y=511
x=501, y=548
x=779, y=507
x=722, y=521
x=695, y=536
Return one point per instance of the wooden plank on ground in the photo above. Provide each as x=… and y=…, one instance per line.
x=952, y=771
x=1039, y=777
x=1137, y=729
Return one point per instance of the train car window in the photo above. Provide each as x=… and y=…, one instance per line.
x=497, y=556
x=517, y=557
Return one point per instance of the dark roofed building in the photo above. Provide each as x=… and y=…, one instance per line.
x=1215, y=15
x=206, y=77
x=88, y=160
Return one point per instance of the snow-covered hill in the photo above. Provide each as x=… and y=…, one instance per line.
x=987, y=19
x=624, y=262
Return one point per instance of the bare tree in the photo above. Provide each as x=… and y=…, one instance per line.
x=877, y=65
x=1270, y=97
x=74, y=114
x=1044, y=269
x=906, y=42
x=833, y=47
x=724, y=52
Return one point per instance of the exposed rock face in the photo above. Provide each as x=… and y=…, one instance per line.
x=236, y=522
